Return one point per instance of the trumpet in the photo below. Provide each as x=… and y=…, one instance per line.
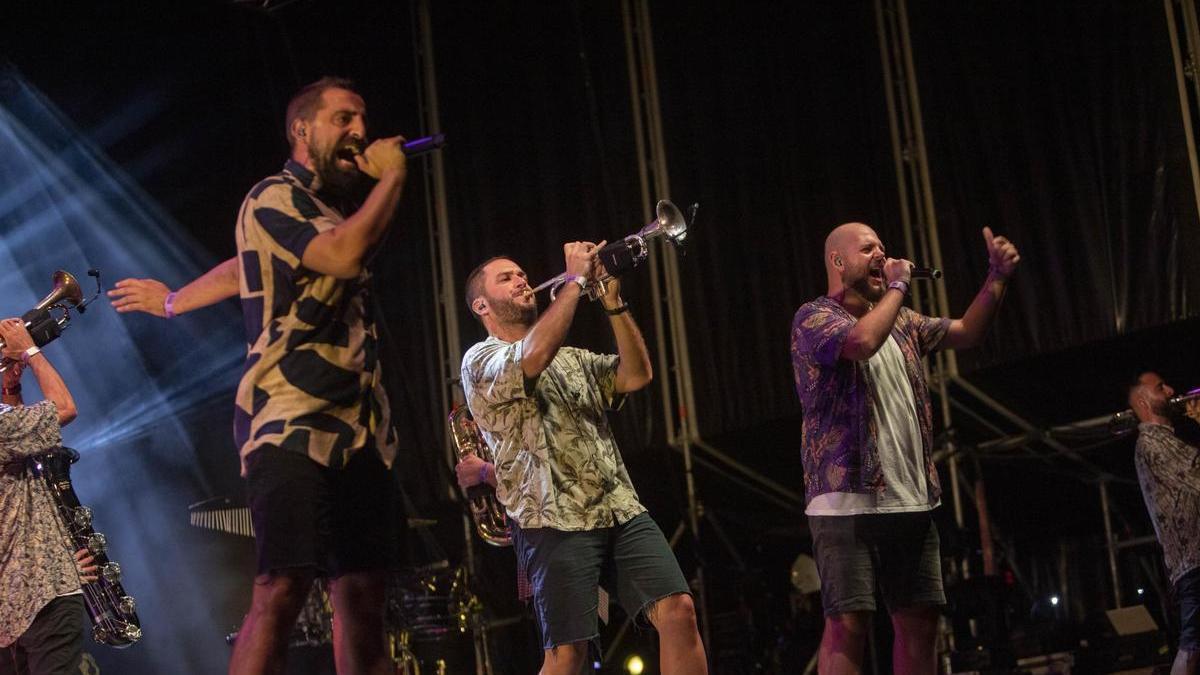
x=66, y=294
x=621, y=256
x=1125, y=420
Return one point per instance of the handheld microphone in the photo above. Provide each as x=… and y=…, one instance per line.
x=421, y=146
x=413, y=148
x=926, y=273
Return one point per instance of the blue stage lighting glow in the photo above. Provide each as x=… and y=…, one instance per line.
x=150, y=392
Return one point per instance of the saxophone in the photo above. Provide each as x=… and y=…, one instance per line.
x=114, y=621
x=488, y=513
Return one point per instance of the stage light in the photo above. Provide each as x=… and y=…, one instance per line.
x=1141, y=591
x=150, y=393
x=634, y=665
x=1054, y=600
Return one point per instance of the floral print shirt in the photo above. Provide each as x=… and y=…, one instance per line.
x=36, y=560
x=1169, y=472
x=838, y=446
x=557, y=464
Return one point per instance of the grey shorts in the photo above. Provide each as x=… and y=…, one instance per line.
x=898, y=553
x=632, y=560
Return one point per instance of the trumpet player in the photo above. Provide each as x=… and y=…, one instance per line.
x=312, y=420
x=1169, y=476
x=41, y=604
x=572, y=508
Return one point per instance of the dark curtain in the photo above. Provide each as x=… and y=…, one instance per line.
x=1058, y=124
x=775, y=123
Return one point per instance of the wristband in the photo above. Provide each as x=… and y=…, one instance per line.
x=483, y=473
x=29, y=354
x=899, y=285
x=616, y=310
x=11, y=391
x=575, y=278
x=169, y=305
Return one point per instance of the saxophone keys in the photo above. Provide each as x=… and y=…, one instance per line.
x=97, y=543
x=111, y=572
x=81, y=516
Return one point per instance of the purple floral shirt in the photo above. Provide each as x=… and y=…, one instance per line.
x=839, y=437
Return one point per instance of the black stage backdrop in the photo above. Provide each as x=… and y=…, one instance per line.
x=1056, y=124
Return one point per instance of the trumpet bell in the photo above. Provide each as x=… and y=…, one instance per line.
x=621, y=256
x=669, y=223
x=66, y=289
x=42, y=325
x=625, y=254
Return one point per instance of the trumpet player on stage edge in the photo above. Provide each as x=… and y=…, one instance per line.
x=41, y=602
x=869, y=478
x=575, y=517
x=1169, y=475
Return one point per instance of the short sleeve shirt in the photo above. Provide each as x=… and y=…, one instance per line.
x=839, y=445
x=557, y=463
x=1168, y=470
x=36, y=561
x=311, y=382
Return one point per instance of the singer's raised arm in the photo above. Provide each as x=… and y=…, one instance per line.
x=969, y=330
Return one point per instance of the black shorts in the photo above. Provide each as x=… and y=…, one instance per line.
x=307, y=515
x=566, y=568
x=898, y=553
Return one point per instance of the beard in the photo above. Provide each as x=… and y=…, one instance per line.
x=333, y=177
x=867, y=290
x=508, y=311
x=1163, y=408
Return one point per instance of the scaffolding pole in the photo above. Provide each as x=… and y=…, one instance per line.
x=449, y=340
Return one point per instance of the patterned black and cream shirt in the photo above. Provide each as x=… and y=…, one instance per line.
x=311, y=383
x=1169, y=472
x=557, y=463
x=36, y=561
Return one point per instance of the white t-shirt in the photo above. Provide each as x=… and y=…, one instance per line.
x=898, y=437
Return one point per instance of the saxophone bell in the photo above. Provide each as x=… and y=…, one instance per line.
x=491, y=522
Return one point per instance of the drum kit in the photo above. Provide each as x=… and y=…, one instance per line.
x=430, y=613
